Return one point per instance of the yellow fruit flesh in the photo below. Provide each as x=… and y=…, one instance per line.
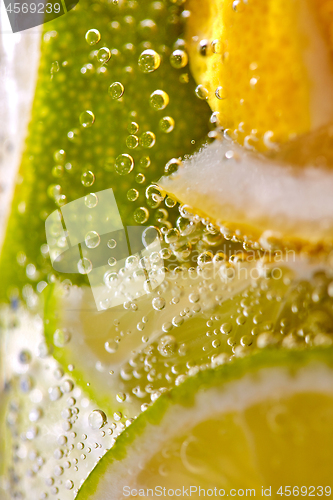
x=266, y=66
x=272, y=443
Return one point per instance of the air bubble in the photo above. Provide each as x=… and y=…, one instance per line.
x=97, y=419
x=112, y=243
x=92, y=239
x=133, y=128
x=112, y=261
x=179, y=59
x=149, y=61
x=132, y=194
x=93, y=36
x=220, y=93
x=104, y=55
x=88, y=178
x=172, y=166
x=158, y=303
x=132, y=141
x=111, y=346
x=167, y=124
x=141, y=215
x=84, y=266
x=201, y=92
x=159, y=100
x=116, y=90
x=147, y=140
x=87, y=118
x=61, y=337
x=91, y=200
x=124, y=164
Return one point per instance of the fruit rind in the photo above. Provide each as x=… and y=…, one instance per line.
x=186, y=393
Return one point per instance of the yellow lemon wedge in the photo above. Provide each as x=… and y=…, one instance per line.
x=265, y=66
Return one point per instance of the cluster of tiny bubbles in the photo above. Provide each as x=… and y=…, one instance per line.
x=147, y=139
x=172, y=166
x=179, y=59
x=149, y=61
x=124, y=164
x=116, y=90
x=167, y=345
x=92, y=239
x=201, y=92
x=103, y=55
x=132, y=141
x=166, y=124
x=87, y=118
x=141, y=215
x=132, y=194
x=92, y=36
x=91, y=200
x=84, y=265
x=87, y=178
x=159, y=100
x=97, y=419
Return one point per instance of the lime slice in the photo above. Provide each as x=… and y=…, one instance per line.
x=261, y=422
x=262, y=103
x=110, y=111
x=127, y=355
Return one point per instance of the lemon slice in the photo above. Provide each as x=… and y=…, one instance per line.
x=256, y=198
x=265, y=67
x=260, y=423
